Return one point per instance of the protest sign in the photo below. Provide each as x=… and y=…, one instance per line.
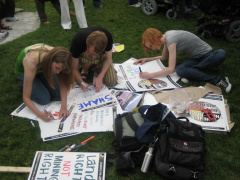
x=68, y=165
x=128, y=73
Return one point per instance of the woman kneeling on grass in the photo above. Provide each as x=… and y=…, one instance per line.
x=201, y=55
x=44, y=72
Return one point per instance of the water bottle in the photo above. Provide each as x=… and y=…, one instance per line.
x=147, y=159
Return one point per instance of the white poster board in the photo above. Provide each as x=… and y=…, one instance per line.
x=95, y=120
x=215, y=103
x=90, y=112
x=68, y=165
x=128, y=73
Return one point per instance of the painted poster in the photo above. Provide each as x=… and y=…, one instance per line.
x=84, y=100
x=88, y=100
x=68, y=165
x=129, y=73
x=88, y=109
x=95, y=120
x=210, y=113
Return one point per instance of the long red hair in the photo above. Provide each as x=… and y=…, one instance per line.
x=151, y=36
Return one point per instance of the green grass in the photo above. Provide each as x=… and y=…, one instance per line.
x=19, y=140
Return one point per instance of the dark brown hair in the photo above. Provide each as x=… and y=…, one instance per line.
x=58, y=55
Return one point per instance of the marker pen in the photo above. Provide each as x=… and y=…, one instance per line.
x=78, y=146
x=70, y=148
x=31, y=121
x=65, y=147
x=87, y=140
x=48, y=113
x=84, y=84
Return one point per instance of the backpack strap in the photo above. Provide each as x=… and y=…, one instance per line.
x=118, y=123
x=131, y=121
x=119, y=133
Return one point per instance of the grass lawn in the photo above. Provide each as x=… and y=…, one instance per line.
x=19, y=140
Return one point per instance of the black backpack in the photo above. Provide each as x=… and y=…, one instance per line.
x=180, y=150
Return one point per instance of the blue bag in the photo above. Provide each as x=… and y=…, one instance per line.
x=153, y=116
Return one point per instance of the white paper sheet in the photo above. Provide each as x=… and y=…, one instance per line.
x=128, y=73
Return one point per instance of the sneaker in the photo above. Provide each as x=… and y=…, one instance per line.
x=224, y=82
x=3, y=36
x=11, y=19
x=136, y=5
x=184, y=80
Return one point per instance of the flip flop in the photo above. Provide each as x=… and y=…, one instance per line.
x=3, y=26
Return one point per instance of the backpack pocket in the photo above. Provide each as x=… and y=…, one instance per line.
x=186, y=153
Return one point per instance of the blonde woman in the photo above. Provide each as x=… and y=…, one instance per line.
x=45, y=72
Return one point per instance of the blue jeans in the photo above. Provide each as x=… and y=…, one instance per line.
x=41, y=91
x=194, y=69
x=95, y=2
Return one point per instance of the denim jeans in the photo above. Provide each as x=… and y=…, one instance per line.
x=95, y=2
x=41, y=91
x=195, y=69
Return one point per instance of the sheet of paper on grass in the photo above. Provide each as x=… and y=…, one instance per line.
x=117, y=47
x=95, y=120
x=83, y=100
x=129, y=74
x=215, y=103
x=82, y=104
x=68, y=165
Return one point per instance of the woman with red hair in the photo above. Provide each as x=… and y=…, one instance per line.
x=201, y=56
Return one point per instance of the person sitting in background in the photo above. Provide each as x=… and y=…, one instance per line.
x=44, y=72
x=202, y=56
x=10, y=11
x=92, y=48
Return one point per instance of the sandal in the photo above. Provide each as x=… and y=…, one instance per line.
x=3, y=26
